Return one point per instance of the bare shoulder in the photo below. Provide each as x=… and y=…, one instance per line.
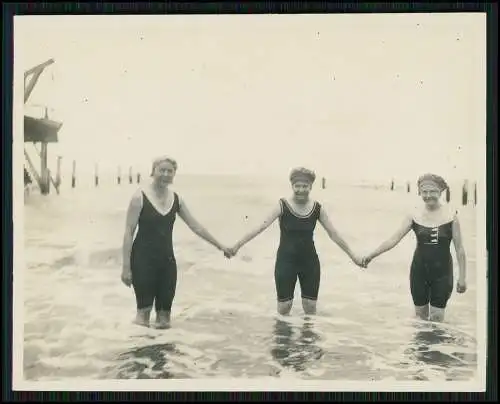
x=415, y=213
x=278, y=207
x=449, y=213
x=136, y=198
x=323, y=215
x=181, y=202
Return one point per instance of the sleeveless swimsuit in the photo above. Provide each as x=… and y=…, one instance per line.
x=153, y=264
x=296, y=256
x=431, y=273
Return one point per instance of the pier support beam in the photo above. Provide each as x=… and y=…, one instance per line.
x=45, y=175
x=58, y=173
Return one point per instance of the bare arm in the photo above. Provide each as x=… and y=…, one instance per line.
x=459, y=248
x=334, y=234
x=195, y=226
x=394, y=240
x=133, y=212
x=276, y=212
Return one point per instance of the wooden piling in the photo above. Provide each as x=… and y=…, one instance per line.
x=392, y=185
x=323, y=182
x=96, y=174
x=119, y=176
x=465, y=193
x=45, y=176
x=138, y=178
x=130, y=179
x=48, y=182
x=475, y=193
x=73, y=175
x=408, y=188
x=58, y=173
x=448, y=195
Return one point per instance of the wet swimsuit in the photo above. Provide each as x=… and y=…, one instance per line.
x=297, y=257
x=153, y=265
x=431, y=273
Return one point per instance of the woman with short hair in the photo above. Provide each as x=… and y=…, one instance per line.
x=149, y=263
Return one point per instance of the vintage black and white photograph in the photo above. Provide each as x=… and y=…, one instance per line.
x=250, y=202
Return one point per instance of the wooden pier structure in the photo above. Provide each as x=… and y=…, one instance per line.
x=39, y=130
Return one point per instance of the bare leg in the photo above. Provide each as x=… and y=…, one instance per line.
x=162, y=319
x=436, y=314
x=142, y=316
x=309, y=306
x=284, y=308
x=422, y=312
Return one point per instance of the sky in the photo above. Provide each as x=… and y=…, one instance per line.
x=351, y=96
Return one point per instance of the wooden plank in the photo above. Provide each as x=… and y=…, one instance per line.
x=41, y=130
x=39, y=67
x=33, y=170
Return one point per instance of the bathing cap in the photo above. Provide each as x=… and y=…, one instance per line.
x=432, y=179
x=302, y=174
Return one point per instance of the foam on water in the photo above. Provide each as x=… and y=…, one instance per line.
x=78, y=315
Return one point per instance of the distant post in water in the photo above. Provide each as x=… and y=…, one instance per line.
x=138, y=178
x=119, y=176
x=475, y=193
x=448, y=195
x=73, y=175
x=323, y=182
x=96, y=175
x=130, y=180
x=408, y=187
x=465, y=193
x=392, y=185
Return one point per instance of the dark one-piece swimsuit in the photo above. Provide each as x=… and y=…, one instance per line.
x=153, y=264
x=296, y=257
x=431, y=273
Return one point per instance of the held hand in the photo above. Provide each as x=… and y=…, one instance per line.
x=461, y=286
x=126, y=277
x=357, y=260
x=228, y=253
x=365, y=261
x=231, y=252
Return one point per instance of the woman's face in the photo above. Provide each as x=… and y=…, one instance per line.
x=164, y=173
x=301, y=189
x=430, y=194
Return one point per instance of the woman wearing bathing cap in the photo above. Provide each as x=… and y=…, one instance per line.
x=431, y=273
x=296, y=256
x=149, y=263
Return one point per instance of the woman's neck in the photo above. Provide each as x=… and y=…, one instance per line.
x=159, y=189
x=433, y=208
x=301, y=202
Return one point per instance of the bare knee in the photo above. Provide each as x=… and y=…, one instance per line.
x=436, y=314
x=284, y=308
x=422, y=312
x=309, y=306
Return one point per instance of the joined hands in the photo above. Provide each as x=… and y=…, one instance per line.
x=230, y=252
